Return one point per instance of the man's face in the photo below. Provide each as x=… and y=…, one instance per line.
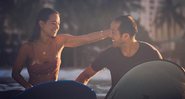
x=115, y=33
x=117, y=39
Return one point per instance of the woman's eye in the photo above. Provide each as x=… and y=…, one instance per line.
x=53, y=23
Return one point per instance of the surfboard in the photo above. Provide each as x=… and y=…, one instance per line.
x=66, y=89
x=151, y=80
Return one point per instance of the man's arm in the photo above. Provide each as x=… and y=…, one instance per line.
x=85, y=76
x=98, y=64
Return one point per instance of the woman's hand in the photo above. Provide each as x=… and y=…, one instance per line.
x=108, y=32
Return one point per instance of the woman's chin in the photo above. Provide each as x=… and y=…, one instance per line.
x=53, y=36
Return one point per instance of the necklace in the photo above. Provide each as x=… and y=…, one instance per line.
x=44, y=52
x=46, y=47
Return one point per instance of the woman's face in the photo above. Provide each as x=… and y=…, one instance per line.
x=51, y=26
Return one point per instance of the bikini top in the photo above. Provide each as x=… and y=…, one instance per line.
x=37, y=68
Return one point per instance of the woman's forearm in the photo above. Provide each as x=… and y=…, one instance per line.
x=95, y=36
x=21, y=81
x=74, y=41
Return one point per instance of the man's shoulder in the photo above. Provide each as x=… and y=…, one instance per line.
x=151, y=49
x=147, y=45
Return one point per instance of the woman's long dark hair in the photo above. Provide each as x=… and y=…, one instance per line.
x=43, y=15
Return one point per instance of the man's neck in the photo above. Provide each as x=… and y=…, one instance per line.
x=130, y=48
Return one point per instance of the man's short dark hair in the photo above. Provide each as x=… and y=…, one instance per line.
x=127, y=25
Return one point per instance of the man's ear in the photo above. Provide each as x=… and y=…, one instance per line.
x=126, y=36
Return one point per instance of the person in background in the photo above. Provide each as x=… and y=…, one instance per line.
x=42, y=52
x=125, y=53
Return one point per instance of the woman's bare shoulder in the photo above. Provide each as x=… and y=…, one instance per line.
x=62, y=37
x=26, y=46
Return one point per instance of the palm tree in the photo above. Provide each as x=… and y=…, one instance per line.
x=169, y=16
x=170, y=13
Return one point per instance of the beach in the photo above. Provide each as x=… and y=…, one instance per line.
x=100, y=83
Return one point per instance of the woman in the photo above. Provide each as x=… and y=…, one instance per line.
x=43, y=51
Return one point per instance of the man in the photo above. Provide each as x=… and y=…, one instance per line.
x=126, y=52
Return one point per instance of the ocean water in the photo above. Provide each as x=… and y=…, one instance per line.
x=100, y=83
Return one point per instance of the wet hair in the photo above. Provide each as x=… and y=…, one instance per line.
x=127, y=25
x=43, y=15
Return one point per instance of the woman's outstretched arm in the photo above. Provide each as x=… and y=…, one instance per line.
x=74, y=41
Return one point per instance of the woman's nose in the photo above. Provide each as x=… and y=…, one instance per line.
x=56, y=26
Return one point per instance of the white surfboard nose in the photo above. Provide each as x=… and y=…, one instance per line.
x=151, y=80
